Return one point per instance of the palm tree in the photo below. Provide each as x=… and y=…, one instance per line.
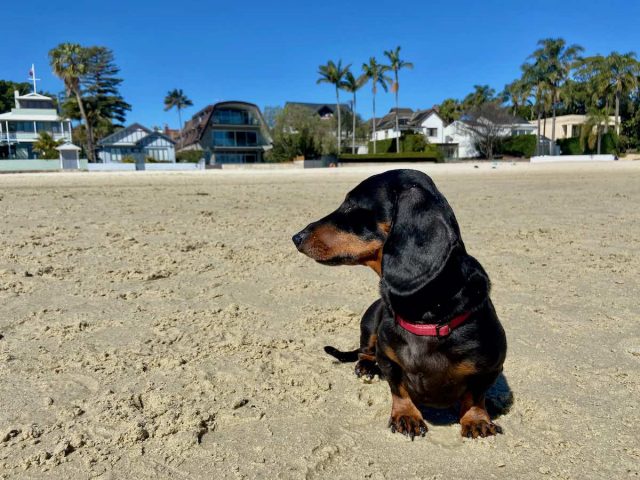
x=334, y=74
x=375, y=72
x=533, y=76
x=481, y=94
x=595, y=72
x=353, y=84
x=396, y=64
x=450, y=110
x=624, y=70
x=177, y=99
x=591, y=130
x=69, y=64
x=46, y=146
x=559, y=59
x=517, y=93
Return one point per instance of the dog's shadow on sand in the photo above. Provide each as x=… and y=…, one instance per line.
x=499, y=399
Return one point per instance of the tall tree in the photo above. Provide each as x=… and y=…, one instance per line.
x=450, y=110
x=334, y=74
x=559, y=59
x=69, y=63
x=178, y=100
x=96, y=99
x=517, y=93
x=105, y=108
x=595, y=73
x=396, y=64
x=7, y=99
x=533, y=75
x=591, y=131
x=481, y=94
x=624, y=71
x=352, y=84
x=376, y=72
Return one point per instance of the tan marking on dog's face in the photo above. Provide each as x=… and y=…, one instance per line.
x=327, y=242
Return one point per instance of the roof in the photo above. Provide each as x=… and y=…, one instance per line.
x=68, y=147
x=34, y=96
x=134, y=126
x=389, y=120
x=316, y=107
x=38, y=117
x=196, y=126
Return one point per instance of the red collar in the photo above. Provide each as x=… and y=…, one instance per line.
x=433, y=329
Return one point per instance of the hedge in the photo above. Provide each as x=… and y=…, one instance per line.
x=518, y=146
x=394, y=157
x=409, y=142
x=189, y=156
x=608, y=145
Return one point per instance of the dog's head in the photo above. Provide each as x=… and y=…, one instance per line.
x=397, y=223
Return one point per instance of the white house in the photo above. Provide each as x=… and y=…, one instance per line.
x=21, y=127
x=457, y=133
x=427, y=122
x=138, y=143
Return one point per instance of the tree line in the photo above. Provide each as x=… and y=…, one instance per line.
x=557, y=80
x=342, y=78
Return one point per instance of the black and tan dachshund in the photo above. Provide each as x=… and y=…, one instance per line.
x=434, y=334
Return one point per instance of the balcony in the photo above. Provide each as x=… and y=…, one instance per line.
x=16, y=137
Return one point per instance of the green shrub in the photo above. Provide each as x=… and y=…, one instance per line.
x=609, y=144
x=128, y=159
x=570, y=146
x=518, y=146
x=433, y=156
x=413, y=143
x=383, y=146
x=189, y=156
x=149, y=159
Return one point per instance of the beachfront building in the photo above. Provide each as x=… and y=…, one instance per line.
x=136, y=143
x=456, y=133
x=33, y=114
x=567, y=126
x=228, y=132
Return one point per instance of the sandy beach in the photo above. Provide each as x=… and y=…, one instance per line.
x=162, y=325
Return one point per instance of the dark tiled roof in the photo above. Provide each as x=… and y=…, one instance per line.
x=317, y=107
x=134, y=126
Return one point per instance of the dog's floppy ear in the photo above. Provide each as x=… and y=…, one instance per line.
x=423, y=234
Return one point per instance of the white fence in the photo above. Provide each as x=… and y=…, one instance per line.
x=152, y=167
x=572, y=158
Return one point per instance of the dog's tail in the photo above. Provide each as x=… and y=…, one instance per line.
x=343, y=357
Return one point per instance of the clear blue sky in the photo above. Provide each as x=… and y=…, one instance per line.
x=268, y=52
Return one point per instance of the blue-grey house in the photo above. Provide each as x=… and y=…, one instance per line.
x=138, y=143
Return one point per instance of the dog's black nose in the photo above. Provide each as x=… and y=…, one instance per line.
x=297, y=239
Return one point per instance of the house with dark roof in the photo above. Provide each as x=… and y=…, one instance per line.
x=427, y=122
x=137, y=142
x=228, y=132
x=324, y=110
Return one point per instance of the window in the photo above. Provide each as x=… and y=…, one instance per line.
x=564, y=131
x=228, y=116
x=224, y=138
x=432, y=132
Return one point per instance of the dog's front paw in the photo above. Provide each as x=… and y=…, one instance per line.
x=408, y=425
x=367, y=370
x=479, y=428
